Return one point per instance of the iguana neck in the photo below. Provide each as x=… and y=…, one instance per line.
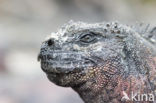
x=90, y=94
x=103, y=83
x=113, y=91
x=114, y=78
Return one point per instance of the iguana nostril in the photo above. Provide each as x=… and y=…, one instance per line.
x=50, y=42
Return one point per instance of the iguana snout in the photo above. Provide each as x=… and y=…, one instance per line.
x=62, y=60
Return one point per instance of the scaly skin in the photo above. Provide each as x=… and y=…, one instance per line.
x=101, y=61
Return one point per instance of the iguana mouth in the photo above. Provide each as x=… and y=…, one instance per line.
x=49, y=64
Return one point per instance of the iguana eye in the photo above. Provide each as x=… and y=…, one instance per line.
x=87, y=38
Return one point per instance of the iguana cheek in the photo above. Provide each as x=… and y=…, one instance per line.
x=103, y=75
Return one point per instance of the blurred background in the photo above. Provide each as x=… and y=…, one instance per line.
x=25, y=23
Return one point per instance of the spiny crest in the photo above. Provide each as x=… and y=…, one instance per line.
x=147, y=32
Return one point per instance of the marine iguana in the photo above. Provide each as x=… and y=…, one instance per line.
x=103, y=61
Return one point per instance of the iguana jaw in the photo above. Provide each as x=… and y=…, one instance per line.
x=64, y=70
x=64, y=62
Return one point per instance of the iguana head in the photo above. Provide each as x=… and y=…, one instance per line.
x=72, y=55
x=100, y=61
